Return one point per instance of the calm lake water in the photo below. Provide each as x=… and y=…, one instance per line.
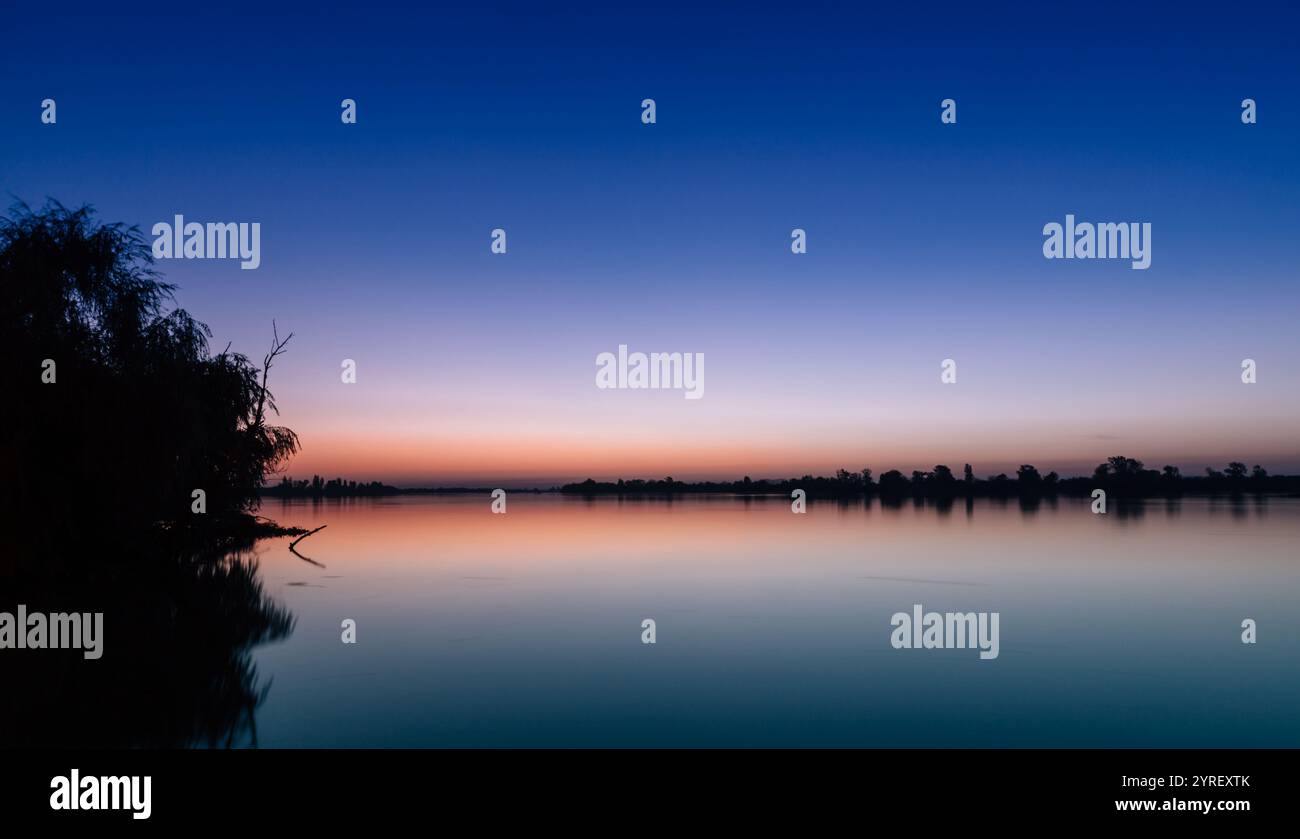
x=773, y=629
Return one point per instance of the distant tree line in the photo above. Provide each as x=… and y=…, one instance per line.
x=1120, y=476
x=318, y=487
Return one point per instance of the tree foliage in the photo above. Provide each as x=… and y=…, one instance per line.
x=140, y=413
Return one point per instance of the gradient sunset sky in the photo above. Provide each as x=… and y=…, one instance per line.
x=924, y=239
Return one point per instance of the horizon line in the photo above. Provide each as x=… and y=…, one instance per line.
x=536, y=484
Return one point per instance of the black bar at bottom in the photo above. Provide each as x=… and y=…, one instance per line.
x=298, y=789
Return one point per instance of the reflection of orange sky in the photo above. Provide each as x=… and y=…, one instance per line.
x=441, y=534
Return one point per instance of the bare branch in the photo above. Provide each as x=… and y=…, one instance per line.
x=294, y=544
x=277, y=347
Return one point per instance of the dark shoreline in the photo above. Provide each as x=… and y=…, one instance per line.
x=889, y=487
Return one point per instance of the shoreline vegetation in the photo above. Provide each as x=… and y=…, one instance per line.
x=1119, y=476
x=132, y=456
x=318, y=487
x=123, y=396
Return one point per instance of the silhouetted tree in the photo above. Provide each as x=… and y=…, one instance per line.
x=1119, y=468
x=893, y=483
x=99, y=468
x=140, y=413
x=941, y=483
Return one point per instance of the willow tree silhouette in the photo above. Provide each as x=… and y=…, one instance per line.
x=121, y=411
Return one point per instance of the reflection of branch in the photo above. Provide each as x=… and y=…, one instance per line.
x=294, y=543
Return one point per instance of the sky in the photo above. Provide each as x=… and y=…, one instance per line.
x=924, y=239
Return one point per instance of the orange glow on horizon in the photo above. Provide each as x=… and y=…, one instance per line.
x=414, y=460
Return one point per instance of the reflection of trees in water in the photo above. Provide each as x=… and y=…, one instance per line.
x=177, y=665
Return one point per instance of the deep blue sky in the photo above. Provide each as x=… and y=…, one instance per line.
x=924, y=239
